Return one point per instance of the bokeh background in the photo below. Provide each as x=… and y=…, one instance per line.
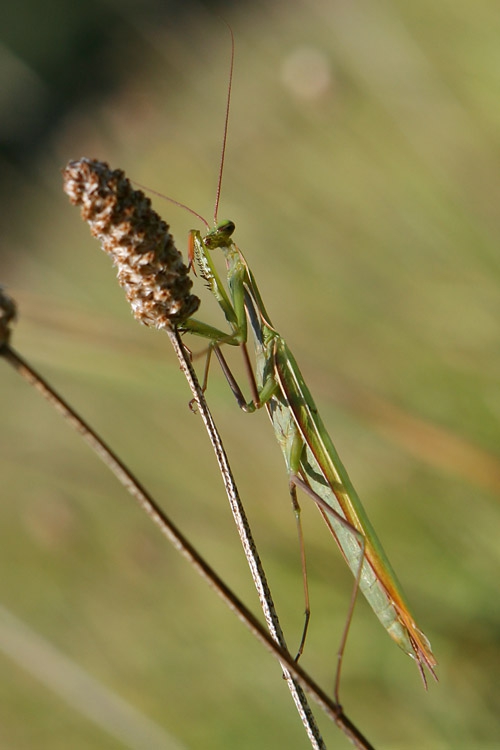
x=362, y=172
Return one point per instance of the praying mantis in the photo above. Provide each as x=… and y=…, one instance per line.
x=312, y=462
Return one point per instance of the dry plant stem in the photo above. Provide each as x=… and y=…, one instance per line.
x=179, y=541
x=246, y=538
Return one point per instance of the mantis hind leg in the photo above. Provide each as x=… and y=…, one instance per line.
x=297, y=481
x=302, y=546
x=296, y=448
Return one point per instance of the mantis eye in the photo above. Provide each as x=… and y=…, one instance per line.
x=226, y=227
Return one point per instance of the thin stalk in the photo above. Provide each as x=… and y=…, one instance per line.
x=247, y=540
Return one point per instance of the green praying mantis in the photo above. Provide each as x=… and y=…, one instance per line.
x=312, y=462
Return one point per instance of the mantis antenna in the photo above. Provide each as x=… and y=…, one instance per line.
x=226, y=121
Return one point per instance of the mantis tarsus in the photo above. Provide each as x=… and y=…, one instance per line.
x=311, y=459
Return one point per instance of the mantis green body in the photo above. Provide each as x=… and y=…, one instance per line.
x=312, y=462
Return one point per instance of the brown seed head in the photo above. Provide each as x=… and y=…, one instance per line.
x=150, y=268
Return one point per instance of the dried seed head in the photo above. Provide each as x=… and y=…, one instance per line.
x=150, y=268
x=8, y=313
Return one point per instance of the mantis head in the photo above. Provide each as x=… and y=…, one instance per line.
x=220, y=236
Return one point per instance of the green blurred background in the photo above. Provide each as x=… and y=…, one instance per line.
x=362, y=174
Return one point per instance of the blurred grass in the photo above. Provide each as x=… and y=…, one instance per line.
x=362, y=175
